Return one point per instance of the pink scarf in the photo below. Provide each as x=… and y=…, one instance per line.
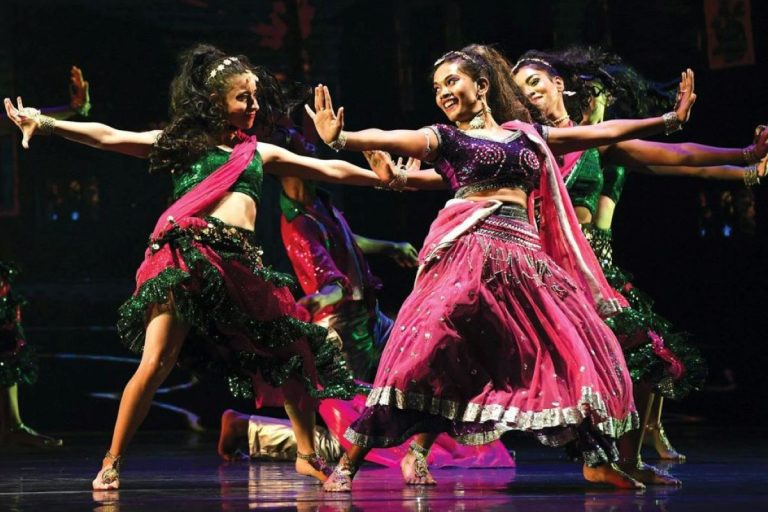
x=560, y=234
x=208, y=192
x=569, y=159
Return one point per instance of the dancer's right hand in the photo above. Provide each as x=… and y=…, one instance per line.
x=23, y=117
x=327, y=122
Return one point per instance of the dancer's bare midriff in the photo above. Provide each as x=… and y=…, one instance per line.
x=236, y=209
x=505, y=195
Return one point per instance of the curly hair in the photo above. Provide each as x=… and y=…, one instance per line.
x=579, y=67
x=198, y=114
x=278, y=98
x=505, y=98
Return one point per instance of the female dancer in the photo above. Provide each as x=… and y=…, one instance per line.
x=203, y=297
x=17, y=361
x=661, y=363
x=497, y=333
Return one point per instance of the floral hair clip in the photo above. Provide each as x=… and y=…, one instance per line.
x=218, y=69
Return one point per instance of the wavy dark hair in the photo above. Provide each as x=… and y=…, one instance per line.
x=578, y=66
x=278, y=99
x=198, y=114
x=505, y=98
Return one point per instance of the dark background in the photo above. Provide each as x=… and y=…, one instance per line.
x=376, y=57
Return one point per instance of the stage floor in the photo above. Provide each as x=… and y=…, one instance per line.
x=180, y=471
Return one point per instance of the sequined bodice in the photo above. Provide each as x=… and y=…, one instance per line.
x=249, y=182
x=469, y=164
x=585, y=181
x=615, y=177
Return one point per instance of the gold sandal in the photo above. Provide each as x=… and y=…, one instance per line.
x=109, y=477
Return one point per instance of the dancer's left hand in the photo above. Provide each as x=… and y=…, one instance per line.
x=405, y=255
x=761, y=146
x=79, y=93
x=327, y=122
x=686, y=96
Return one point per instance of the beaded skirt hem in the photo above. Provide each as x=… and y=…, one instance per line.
x=244, y=323
x=496, y=336
x=655, y=352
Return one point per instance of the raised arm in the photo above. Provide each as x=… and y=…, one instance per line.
x=564, y=140
x=30, y=121
x=419, y=144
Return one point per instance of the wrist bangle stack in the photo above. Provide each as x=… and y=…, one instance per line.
x=750, y=157
x=398, y=181
x=751, y=177
x=338, y=144
x=45, y=124
x=671, y=123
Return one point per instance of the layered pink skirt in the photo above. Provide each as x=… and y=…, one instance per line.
x=494, y=337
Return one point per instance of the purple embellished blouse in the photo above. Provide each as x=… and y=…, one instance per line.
x=471, y=164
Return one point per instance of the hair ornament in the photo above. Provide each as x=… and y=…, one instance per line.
x=454, y=53
x=228, y=61
x=537, y=60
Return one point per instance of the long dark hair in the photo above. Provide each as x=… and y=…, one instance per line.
x=505, y=98
x=198, y=114
x=578, y=66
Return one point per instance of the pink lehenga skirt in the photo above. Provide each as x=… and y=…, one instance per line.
x=495, y=337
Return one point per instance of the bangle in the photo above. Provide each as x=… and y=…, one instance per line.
x=44, y=123
x=338, y=144
x=751, y=177
x=398, y=181
x=750, y=157
x=672, y=123
x=47, y=124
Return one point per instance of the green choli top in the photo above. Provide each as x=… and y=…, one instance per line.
x=249, y=182
x=588, y=181
x=585, y=181
x=614, y=178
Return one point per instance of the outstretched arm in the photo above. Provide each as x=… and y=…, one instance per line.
x=403, y=253
x=281, y=162
x=642, y=152
x=97, y=135
x=419, y=144
x=421, y=179
x=564, y=140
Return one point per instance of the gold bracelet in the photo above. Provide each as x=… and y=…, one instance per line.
x=751, y=178
x=338, y=144
x=750, y=157
x=672, y=123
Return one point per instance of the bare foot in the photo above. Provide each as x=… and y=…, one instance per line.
x=415, y=470
x=22, y=435
x=657, y=439
x=648, y=474
x=611, y=474
x=234, y=429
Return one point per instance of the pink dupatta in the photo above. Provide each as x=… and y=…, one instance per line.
x=559, y=230
x=202, y=197
x=210, y=191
